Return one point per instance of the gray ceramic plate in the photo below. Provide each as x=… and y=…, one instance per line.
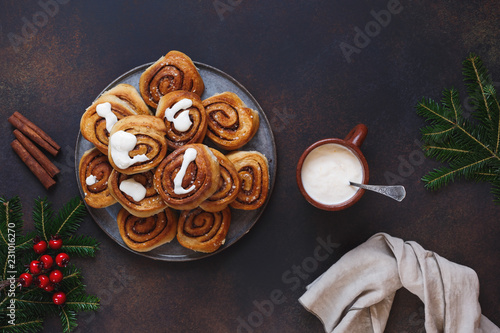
x=215, y=82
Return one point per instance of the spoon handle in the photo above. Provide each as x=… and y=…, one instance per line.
x=396, y=192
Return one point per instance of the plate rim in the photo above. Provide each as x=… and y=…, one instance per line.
x=272, y=171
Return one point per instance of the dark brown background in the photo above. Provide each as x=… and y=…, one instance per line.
x=288, y=55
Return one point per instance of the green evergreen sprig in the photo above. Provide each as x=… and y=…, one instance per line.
x=469, y=147
x=81, y=246
x=32, y=305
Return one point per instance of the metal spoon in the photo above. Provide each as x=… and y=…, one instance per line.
x=396, y=192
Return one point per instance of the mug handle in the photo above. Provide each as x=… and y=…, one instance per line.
x=357, y=135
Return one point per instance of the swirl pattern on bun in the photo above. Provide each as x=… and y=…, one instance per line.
x=95, y=128
x=229, y=185
x=143, y=234
x=187, y=176
x=174, y=71
x=150, y=204
x=182, y=109
x=230, y=123
x=150, y=144
x=94, y=170
x=203, y=231
x=253, y=170
x=130, y=96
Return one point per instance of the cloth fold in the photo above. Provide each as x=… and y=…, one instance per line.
x=356, y=293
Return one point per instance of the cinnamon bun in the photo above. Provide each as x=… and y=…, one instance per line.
x=136, y=193
x=203, y=231
x=253, y=170
x=143, y=234
x=99, y=118
x=230, y=123
x=229, y=185
x=188, y=176
x=174, y=71
x=130, y=96
x=94, y=170
x=137, y=144
x=184, y=116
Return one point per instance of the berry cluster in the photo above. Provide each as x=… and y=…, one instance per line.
x=43, y=273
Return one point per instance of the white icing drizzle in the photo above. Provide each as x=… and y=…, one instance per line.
x=91, y=180
x=182, y=123
x=189, y=156
x=120, y=145
x=104, y=110
x=134, y=189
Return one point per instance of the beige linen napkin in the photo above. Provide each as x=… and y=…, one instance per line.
x=356, y=293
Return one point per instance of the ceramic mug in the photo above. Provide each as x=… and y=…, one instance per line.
x=352, y=142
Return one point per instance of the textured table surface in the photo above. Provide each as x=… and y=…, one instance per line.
x=316, y=76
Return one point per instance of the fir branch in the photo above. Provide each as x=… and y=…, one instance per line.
x=442, y=115
x=42, y=214
x=490, y=90
x=70, y=272
x=28, y=303
x=451, y=101
x=471, y=149
x=82, y=246
x=478, y=77
x=38, y=305
x=3, y=258
x=487, y=174
x=10, y=218
x=25, y=242
x=33, y=304
x=69, y=218
x=443, y=176
x=4, y=275
x=78, y=289
x=78, y=303
x=28, y=326
x=71, y=280
x=68, y=319
x=437, y=132
x=435, y=112
x=444, y=153
x=3, y=301
x=30, y=296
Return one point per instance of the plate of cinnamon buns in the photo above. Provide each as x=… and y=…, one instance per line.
x=175, y=159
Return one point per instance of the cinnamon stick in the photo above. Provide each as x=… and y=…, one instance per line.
x=34, y=133
x=37, y=129
x=33, y=165
x=37, y=154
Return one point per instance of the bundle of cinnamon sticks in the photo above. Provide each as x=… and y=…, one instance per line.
x=27, y=134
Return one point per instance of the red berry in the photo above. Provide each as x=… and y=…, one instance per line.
x=47, y=261
x=43, y=281
x=55, y=242
x=49, y=287
x=56, y=276
x=25, y=279
x=59, y=298
x=40, y=247
x=35, y=267
x=62, y=260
